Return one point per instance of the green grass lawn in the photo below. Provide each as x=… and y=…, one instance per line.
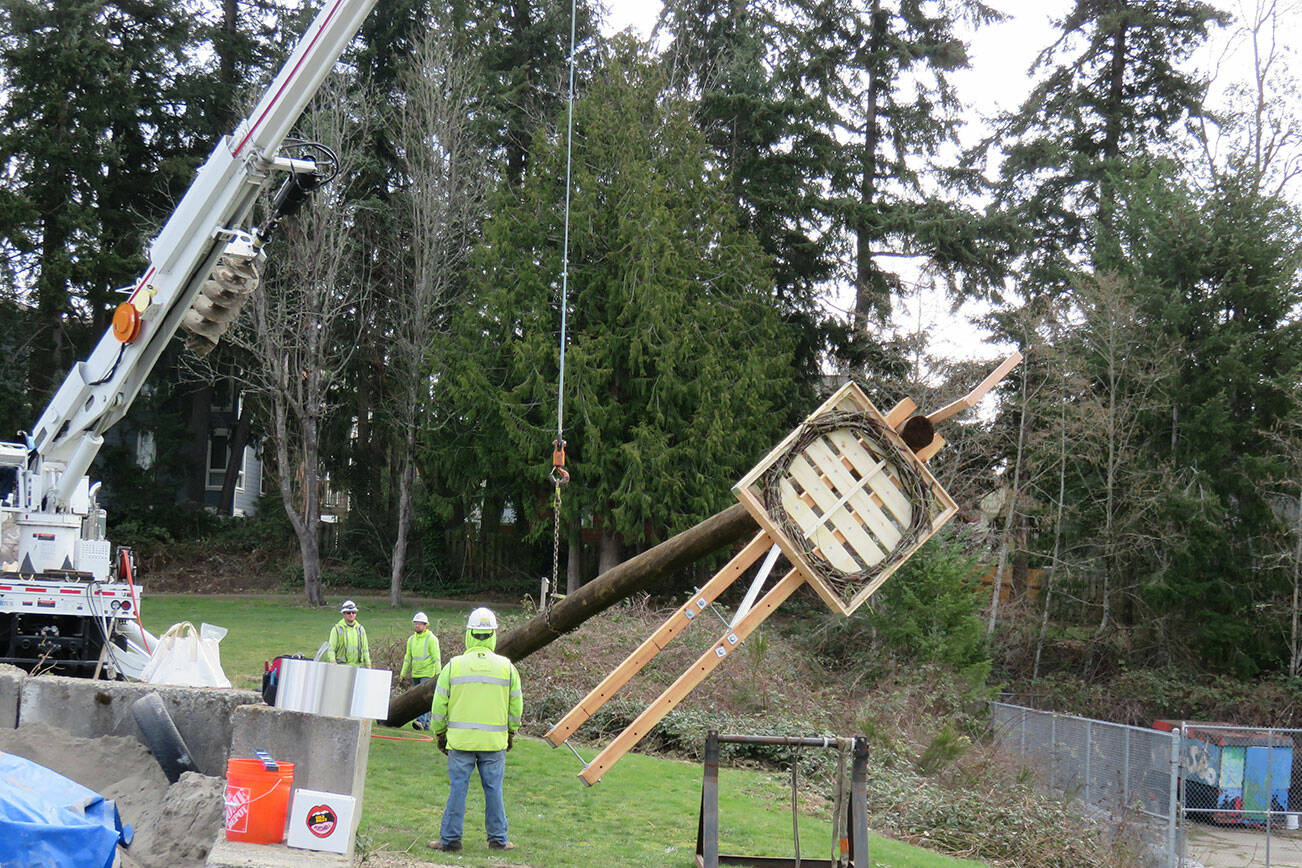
x=643, y=814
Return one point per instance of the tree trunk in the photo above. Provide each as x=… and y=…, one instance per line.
x=1047, y=586
x=871, y=294
x=234, y=460
x=574, y=560
x=305, y=522
x=636, y=574
x=609, y=556
x=1014, y=495
x=1295, y=657
x=399, y=560
x=1114, y=109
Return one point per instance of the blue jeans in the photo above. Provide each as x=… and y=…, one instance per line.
x=423, y=720
x=492, y=768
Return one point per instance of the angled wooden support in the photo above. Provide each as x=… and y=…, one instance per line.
x=705, y=664
x=971, y=399
x=673, y=625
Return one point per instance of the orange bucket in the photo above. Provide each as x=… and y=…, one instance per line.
x=257, y=801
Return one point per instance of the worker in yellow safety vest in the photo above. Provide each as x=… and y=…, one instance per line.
x=476, y=711
x=421, y=660
x=348, y=643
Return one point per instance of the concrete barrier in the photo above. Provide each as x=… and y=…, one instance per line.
x=329, y=753
x=11, y=691
x=90, y=709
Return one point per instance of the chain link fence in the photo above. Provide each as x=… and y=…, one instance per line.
x=1191, y=795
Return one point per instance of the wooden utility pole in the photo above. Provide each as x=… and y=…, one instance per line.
x=726, y=528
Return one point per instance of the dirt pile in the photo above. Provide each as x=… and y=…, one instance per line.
x=174, y=825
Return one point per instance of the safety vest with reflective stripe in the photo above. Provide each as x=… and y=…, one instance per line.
x=477, y=701
x=422, y=657
x=348, y=645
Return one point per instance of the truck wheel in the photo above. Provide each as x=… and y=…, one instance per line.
x=161, y=736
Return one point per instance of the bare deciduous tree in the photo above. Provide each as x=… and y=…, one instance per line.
x=1287, y=553
x=1261, y=133
x=1124, y=377
x=442, y=196
x=301, y=326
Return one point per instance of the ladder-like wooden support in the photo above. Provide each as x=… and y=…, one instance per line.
x=675, y=624
x=833, y=472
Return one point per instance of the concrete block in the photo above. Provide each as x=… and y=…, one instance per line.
x=90, y=709
x=329, y=753
x=11, y=692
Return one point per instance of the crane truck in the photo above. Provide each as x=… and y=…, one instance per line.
x=68, y=600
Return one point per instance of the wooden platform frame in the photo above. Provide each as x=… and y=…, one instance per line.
x=850, y=507
x=849, y=397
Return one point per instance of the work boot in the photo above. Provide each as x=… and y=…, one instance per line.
x=500, y=845
x=450, y=847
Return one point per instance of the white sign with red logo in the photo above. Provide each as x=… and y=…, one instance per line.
x=321, y=821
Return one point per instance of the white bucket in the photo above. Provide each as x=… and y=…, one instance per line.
x=1290, y=822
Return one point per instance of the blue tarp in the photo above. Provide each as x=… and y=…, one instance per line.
x=49, y=821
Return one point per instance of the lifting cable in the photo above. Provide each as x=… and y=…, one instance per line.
x=559, y=475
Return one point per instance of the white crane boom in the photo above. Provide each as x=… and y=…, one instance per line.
x=44, y=491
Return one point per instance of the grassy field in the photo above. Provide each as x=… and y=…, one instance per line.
x=643, y=814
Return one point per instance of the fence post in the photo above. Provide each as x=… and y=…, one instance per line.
x=1174, y=800
x=1125, y=771
x=1089, y=749
x=1270, y=802
x=1053, y=749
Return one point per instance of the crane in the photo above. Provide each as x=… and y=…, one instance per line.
x=64, y=597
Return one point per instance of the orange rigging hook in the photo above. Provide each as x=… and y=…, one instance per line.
x=559, y=474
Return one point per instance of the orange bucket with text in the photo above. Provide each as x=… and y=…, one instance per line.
x=257, y=800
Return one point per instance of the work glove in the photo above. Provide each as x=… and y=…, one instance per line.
x=442, y=740
x=510, y=740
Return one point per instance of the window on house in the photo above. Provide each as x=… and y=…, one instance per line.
x=218, y=452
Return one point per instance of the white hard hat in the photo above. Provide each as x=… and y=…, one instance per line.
x=480, y=620
x=348, y=606
x=419, y=618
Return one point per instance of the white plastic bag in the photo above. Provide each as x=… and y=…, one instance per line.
x=184, y=658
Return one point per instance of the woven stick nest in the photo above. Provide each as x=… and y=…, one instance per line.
x=906, y=474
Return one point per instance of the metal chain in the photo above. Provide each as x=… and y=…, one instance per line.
x=556, y=544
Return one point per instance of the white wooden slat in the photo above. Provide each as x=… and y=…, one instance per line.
x=877, y=471
x=801, y=513
x=838, y=518
x=860, y=501
x=815, y=528
x=865, y=461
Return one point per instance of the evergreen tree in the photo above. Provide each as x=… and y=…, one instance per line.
x=524, y=54
x=1183, y=360
x=773, y=156
x=879, y=74
x=677, y=361
x=1227, y=264
x=94, y=149
x=1116, y=87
